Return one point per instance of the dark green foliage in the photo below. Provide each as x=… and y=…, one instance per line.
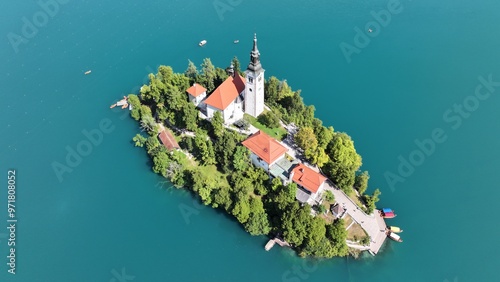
x=241, y=159
x=191, y=72
x=139, y=140
x=204, y=148
x=258, y=223
x=208, y=75
x=136, y=105
x=371, y=201
x=361, y=182
x=217, y=124
x=236, y=64
x=225, y=147
x=269, y=119
x=344, y=161
x=329, y=197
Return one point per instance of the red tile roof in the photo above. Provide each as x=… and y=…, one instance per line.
x=168, y=140
x=227, y=92
x=265, y=147
x=196, y=90
x=307, y=178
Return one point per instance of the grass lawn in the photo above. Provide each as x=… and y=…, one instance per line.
x=355, y=198
x=278, y=132
x=355, y=231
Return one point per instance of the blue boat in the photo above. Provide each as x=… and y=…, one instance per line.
x=386, y=210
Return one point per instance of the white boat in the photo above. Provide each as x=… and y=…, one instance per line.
x=370, y=30
x=236, y=41
x=88, y=72
x=202, y=43
x=394, y=236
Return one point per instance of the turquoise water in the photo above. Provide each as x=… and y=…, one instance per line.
x=111, y=216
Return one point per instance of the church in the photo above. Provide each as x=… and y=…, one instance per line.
x=236, y=95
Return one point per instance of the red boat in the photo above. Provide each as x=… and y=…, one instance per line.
x=387, y=214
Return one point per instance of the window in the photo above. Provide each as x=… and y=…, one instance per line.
x=260, y=78
x=250, y=79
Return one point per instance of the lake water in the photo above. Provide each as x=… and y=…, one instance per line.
x=112, y=219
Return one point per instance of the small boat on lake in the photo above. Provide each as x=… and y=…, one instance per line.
x=236, y=41
x=390, y=214
x=387, y=210
x=394, y=236
x=88, y=72
x=395, y=229
x=202, y=43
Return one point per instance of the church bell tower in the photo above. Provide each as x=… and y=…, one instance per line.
x=254, y=88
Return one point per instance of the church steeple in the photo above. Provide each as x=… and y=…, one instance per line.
x=254, y=64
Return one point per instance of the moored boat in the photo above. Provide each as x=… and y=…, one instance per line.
x=387, y=210
x=388, y=215
x=395, y=229
x=394, y=236
x=202, y=43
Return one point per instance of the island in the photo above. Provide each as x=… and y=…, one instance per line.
x=252, y=148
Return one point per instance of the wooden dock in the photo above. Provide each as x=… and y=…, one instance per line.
x=277, y=240
x=269, y=245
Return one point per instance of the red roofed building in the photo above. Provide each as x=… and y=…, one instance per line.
x=168, y=140
x=228, y=99
x=265, y=151
x=196, y=93
x=311, y=184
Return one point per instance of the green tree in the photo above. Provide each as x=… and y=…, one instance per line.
x=208, y=74
x=139, y=140
x=361, y=182
x=271, y=88
x=236, y=64
x=222, y=198
x=217, y=125
x=191, y=72
x=241, y=159
x=258, y=223
x=328, y=196
x=190, y=116
x=337, y=234
x=148, y=124
x=204, y=148
x=371, y=201
x=160, y=163
x=269, y=119
x=295, y=223
x=225, y=147
x=241, y=208
x=133, y=100
x=324, y=135
x=152, y=143
x=344, y=161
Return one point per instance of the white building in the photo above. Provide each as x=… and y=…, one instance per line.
x=311, y=184
x=265, y=151
x=236, y=95
x=227, y=99
x=196, y=94
x=254, y=90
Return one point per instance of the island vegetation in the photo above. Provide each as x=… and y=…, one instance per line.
x=214, y=165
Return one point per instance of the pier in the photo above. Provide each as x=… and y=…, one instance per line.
x=270, y=244
x=373, y=223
